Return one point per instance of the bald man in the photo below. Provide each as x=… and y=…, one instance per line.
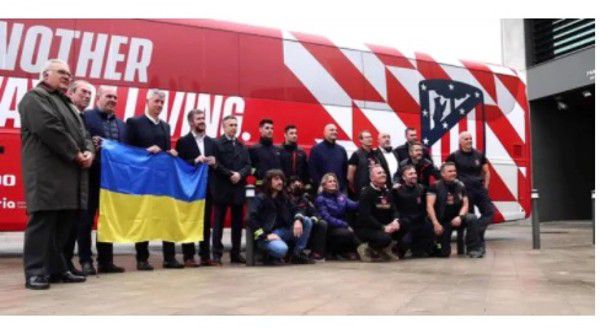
x=387, y=157
x=327, y=156
x=101, y=122
x=473, y=170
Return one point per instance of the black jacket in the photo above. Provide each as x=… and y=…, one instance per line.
x=264, y=156
x=266, y=214
x=376, y=208
x=383, y=162
x=402, y=152
x=363, y=160
x=230, y=158
x=141, y=132
x=425, y=170
x=304, y=205
x=188, y=150
x=410, y=201
x=440, y=190
x=294, y=162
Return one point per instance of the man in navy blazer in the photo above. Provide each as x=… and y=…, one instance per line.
x=197, y=148
x=101, y=122
x=150, y=132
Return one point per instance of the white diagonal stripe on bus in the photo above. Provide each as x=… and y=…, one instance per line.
x=318, y=81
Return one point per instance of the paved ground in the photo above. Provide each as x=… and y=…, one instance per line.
x=512, y=279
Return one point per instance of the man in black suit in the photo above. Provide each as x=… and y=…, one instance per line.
x=233, y=166
x=402, y=151
x=198, y=148
x=387, y=157
x=150, y=132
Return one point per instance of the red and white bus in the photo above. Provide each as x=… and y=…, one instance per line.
x=292, y=78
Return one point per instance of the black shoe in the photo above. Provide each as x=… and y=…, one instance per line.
x=37, y=283
x=217, y=261
x=208, y=262
x=478, y=253
x=173, y=264
x=110, y=268
x=301, y=258
x=88, y=269
x=272, y=261
x=74, y=271
x=238, y=259
x=69, y=277
x=144, y=266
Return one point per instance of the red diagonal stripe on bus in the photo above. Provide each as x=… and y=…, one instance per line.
x=340, y=68
x=484, y=76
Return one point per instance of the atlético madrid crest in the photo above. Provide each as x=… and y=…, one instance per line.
x=443, y=104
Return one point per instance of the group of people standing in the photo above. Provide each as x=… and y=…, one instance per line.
x=375, y=206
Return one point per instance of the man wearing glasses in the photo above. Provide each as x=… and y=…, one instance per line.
x=56, y=156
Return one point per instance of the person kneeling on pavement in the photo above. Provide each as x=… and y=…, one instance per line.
x=338, y=210
x=378, y=225
x=277, y=224
x=447, y=207
x=410, y=200
x=318, y=234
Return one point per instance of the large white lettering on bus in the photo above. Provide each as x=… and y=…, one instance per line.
x=177, y=105
x=98, y=55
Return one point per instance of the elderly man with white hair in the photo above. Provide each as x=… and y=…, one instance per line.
x=56, y=155
x=80, y=93
x=150, y=132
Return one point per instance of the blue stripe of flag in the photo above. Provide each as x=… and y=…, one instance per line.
x=131, y=170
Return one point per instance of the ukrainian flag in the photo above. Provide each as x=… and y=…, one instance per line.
x=149, y=197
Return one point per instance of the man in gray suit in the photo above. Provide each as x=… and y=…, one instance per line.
x=56, y=154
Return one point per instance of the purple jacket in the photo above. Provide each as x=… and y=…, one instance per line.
x=334, y=207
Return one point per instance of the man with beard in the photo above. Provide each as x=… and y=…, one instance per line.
x=409, y=197
x=447, y=207
x=277, y=224
x=264, y=155
x=198, y=148
x=300, y=199
x=426, y=170
x=411, y=136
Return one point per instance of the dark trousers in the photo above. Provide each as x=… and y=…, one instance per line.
x=420, y=237
x=46, y=234
x=318, y=237
x=479, y=196
x=472, y=240
x=341, y=240
x=82, y=233
x=379, y=239
x=236, y=229
x=189, y=249
x=142, y=254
